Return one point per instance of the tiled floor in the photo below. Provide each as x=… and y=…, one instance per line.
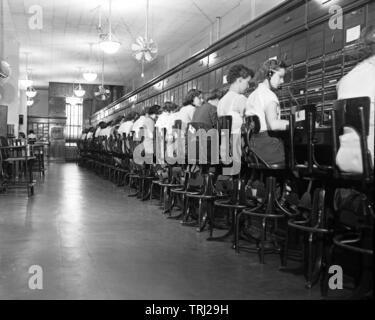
x=94, y=242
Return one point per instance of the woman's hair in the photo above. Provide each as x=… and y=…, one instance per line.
x=117, y=120
x=170, y=106
x=238, y=71
x=22, y=135
x=130, y=116
x=215, y=94
x=189, y=99
x=268, y=68
x=153, y=109
x=31, y=131
x=102, y=125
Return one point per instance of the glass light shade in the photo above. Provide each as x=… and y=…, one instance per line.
x=90, y=76
x=110, y=46
x=79, y=92
x=25, y=83
x=31, y=92
x=29, y=103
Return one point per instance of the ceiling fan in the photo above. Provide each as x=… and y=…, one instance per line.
x=145, y=50
x=102, y=94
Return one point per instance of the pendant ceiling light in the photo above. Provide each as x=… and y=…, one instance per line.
x=29, y=102
x=79, y=91
x=102, y=94
x=31, y=92
x=108, y=45
x=27, y=82
x=145, y=49
x=89, y=75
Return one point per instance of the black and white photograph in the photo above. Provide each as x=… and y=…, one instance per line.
x=187, y=154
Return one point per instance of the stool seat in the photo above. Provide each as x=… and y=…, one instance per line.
x=226, y=203
x=353, y=176
x=301, y=225
x=264, y=167
x=19, y=159
x=170, y=185
x=195, y=195
x=264, y=215
x=183, y=191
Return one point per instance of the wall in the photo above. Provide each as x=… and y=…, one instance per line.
x=11, y=94
x=57, y=93
x=10, y=90
x=40, y=106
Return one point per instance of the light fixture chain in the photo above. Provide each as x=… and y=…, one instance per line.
x=147, y=8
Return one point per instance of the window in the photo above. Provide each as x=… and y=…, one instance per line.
x=73, y=128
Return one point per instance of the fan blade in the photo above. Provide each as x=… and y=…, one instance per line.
x=141, y=41
x=154, y=50
x=148, y=56
x=136, y=47
x=139, y=55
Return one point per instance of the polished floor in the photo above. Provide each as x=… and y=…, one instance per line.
x=94, y=242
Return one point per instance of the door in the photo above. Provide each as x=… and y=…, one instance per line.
x=57, y=146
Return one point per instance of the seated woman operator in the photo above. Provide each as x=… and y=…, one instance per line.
x=264, y=103
x=359, y=82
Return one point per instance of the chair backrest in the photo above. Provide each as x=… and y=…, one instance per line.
x=250, y=127
x=353, y=113
x=302, y=123
x=204, y=144
x=224, y=127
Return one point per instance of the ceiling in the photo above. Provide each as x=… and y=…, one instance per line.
x=61, y=47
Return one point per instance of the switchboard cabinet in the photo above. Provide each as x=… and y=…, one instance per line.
x=212, y=79
x=299, y=47
x=315, y=42
x=273, y=51
x=196, y=68
x=229, y=51
x=288, y=22
x=143, y=94
x=333, y=39
x=286, y=53
x=219, y=78
x=318, y=9
x=354, y=22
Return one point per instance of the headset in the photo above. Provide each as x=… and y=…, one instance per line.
x=272, y=64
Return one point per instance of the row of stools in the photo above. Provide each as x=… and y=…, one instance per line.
x=274, y=220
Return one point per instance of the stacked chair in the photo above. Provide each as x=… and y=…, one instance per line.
x=16, y=160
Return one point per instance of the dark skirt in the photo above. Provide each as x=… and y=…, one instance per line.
x=269, y=149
